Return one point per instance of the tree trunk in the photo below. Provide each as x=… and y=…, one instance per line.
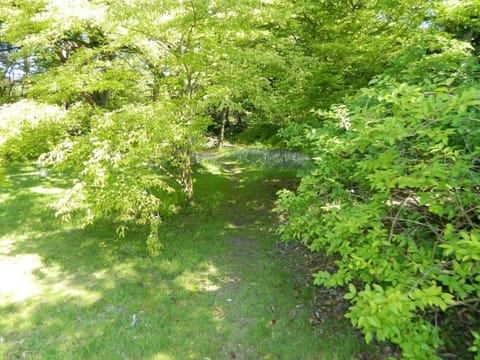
x=101, y=98
x=187, y=177
x=221, y=136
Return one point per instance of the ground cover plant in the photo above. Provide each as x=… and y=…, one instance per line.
x=220, y=289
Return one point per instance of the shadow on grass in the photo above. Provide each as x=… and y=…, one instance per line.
x=94, y=298
x=87, y=295
x=219, y=290
x=24, y=206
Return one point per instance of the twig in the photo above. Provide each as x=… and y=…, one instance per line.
x=395, y=219
x=466, y=302
x=415, y=222
x=463, y=208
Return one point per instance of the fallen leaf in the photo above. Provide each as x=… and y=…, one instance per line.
x=219, y=313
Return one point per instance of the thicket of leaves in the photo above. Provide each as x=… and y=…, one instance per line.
x=394, y=195
x=134, y=181
x=28, y=129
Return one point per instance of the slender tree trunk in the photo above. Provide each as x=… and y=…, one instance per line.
x=221, y=136
x=157, y=83
x=101, y=98
x=187, y=177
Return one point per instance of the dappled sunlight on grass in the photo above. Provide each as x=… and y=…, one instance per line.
x=3, y=197
x=46, y=190
x=25, y=173
x=81, y=293
x=211, y=167
x=7, y=243
x=18, y=282
x=25, y=276
x=206, y=280
x=55, y=283
x=169, y=267
x=162, y=356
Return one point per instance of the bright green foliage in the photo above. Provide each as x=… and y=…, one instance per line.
x=139, y=81
x=28, y=129
x=394, y=194
x=132, y=77
x=334, y=48
x=131, y=180
x=461, y=19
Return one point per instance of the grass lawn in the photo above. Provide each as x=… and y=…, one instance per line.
x=221, y=288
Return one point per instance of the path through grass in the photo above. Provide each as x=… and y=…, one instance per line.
x=221, y=288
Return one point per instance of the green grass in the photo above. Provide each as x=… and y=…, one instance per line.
x=221, y=288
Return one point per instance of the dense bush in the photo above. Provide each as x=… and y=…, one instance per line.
x=395, y=196
x=28, y=129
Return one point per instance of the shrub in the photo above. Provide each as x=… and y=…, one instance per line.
x=395, y=194
x=28, y=129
